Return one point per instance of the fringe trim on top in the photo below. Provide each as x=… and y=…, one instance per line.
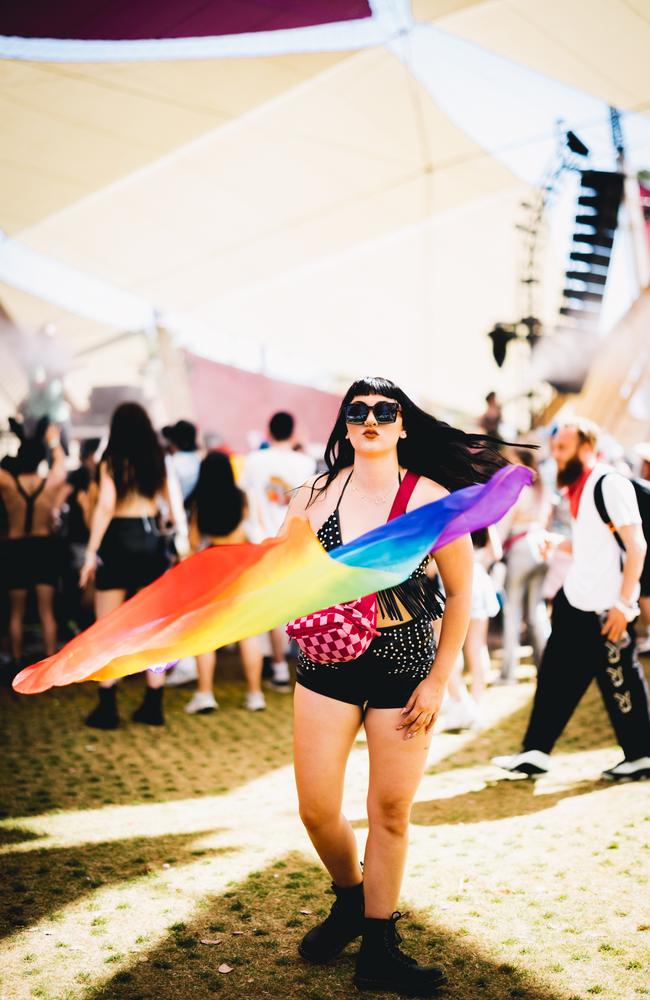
x=418, y=596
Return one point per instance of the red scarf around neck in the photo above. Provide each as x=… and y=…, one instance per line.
x=574, y=491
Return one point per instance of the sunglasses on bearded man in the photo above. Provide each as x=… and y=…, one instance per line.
x=385, y=412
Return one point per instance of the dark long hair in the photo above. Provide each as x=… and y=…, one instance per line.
x=133, y=455
x=431, y=447
x=216, y=498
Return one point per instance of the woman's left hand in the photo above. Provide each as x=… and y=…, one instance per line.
x=422, y=708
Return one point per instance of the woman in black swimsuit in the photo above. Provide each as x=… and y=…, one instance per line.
x=396, y=687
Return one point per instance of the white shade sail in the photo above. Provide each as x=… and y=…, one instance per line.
x=356, y=210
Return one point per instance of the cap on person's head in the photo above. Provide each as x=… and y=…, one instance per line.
x=281, y=426
x=586, y=430
x=182, y=434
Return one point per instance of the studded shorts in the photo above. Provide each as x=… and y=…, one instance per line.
x=385, y=676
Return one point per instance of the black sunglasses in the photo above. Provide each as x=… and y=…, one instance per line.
x=357, y=413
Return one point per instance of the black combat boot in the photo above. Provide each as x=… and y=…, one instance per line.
x=382, y=966
x=150, y=711
x=105, y=716
x=344, y=924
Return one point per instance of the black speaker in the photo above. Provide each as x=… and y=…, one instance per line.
x=596, y=218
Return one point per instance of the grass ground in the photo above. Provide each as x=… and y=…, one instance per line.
x=135, y=864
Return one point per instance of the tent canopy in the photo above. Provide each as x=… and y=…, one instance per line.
x=315, y=187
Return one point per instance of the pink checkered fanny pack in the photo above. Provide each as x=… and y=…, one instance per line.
x=338, y=634
x=344, y=632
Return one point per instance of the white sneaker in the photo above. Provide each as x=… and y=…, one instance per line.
x=530, y=763
x=479, y=722
x=254, y=701
x=629, y=770
x=201, y=703
x=281, y=679
x=458, y=715
x=453, y=720
x=504, y=680
x=184, y=672
x=643, y=645
x=281, y=672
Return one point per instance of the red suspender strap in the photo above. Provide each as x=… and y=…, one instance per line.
x=404, y=493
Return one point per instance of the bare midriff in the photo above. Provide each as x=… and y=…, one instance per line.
x=384, y=622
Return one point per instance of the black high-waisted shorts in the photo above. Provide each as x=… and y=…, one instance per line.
x=385, y=676
x=25, y=562
x=132, y=555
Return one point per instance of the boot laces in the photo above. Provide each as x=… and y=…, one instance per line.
x=395, y=939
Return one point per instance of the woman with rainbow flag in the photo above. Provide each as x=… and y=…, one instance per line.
x=385, y=457
x=351, y=571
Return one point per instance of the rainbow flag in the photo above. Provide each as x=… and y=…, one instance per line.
x=229, y=592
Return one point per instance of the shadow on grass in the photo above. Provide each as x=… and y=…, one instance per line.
x=16, y=835
x=49, y=760
x=588, y=729
x=39, y=882
x=501, y=800
x=257, y=925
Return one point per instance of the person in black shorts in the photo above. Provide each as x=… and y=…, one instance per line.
x=31, y=555
x=384, y=455
x=127, y=549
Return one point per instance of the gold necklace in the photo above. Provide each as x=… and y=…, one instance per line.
x=377, y=500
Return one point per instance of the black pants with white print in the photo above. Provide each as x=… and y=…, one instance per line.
x=576, y=652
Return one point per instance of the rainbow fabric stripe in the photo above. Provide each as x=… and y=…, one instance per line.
x=228, y=592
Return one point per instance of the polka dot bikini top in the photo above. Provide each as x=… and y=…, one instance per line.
x=418, y=595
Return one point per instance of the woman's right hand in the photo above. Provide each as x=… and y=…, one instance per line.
x=87, y=574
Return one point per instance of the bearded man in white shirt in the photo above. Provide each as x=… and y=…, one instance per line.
x=593, y=614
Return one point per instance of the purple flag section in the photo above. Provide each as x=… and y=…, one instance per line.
x=124, y=20
x=402, y=543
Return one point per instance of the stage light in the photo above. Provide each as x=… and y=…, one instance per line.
x=501, y=335
x=592, y=259
x=588, y=277
x=596, y=219
x=584, y=294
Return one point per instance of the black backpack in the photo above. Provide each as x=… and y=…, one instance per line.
x=642, y=490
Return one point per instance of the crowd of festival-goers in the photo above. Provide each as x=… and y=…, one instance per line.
x=83, y=529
